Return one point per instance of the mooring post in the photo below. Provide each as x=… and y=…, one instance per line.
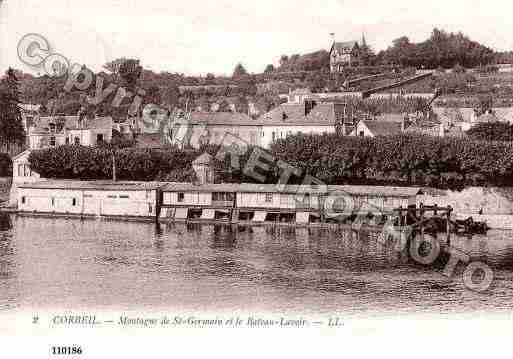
x=421, y=210
x=449, y=210
x=158, y=204
x=321, y=208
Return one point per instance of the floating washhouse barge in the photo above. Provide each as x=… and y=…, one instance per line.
x=89, y=198
x=235, y=203
x=273, y=203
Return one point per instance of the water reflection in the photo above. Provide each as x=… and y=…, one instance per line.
x=118, y=265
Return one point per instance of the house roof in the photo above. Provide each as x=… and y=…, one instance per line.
x=294, y=114
x=148, y=140
x=204, y=159
x=29, y=107
x=42, y=126
x=221, y=118
x=102, y=185
x=488, y=117
x=383, y=128
x=344, y=47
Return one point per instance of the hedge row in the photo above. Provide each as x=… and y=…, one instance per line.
x=399, y=160
x=86, y=163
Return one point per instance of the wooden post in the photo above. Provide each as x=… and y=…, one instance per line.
x=158, y=204
x=321, y=209
x=421, y=210
x=449, y=210
x=113, y=167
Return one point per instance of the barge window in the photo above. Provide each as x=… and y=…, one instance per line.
x=222, y=196
x=181, y=196
x=269, y=197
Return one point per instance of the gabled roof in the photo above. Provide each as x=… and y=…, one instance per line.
x=148, y=140
x=344, y=47
x=29, y=107
x=383, y=128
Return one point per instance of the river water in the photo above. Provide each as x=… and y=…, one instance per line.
x=49, y=263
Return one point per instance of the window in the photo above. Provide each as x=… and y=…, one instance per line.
x=67, y=140
x=52, y=141
x=362, y=134
x=181, y=197
x=23, y=200
x=274, y=136
x=99, y=138
x=26, y=170
x=74, y=202
x=52, y=127
x=21, y=170
x=150, y=208
x=268, y=197
x=53, y=201
x=77, y=140
x=112, y=196
x=222, y=196
x=123, y=196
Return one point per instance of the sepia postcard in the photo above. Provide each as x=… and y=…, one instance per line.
x=240, y=178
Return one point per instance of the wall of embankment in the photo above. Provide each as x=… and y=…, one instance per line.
x=495, y=204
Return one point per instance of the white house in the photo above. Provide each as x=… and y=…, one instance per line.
x=287, y=119
x=55, y=131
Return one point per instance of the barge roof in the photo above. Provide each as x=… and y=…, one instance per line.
x=373, y=191
x=101, y=185
x=108, y=185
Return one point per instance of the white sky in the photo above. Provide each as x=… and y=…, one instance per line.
x=201, y=36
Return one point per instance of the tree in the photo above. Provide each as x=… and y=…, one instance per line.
x=269, y=68
x=239, y=71
x=11, y=127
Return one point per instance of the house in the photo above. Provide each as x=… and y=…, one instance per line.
x=21, y=174
x=89, y=198
x=287, y=119
x=384, y=125
x=346, y=54
x=55, y=131
x=29, y=114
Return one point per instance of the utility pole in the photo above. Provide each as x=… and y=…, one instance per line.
x=113, y=167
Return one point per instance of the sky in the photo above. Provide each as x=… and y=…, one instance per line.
x=201, y=36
